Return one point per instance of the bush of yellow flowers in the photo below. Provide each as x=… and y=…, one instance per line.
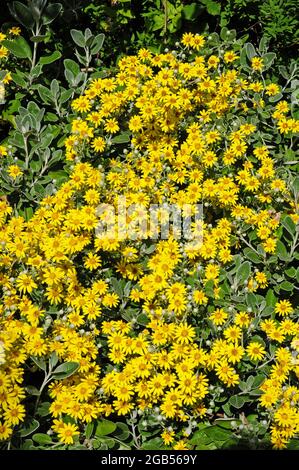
x=139, y=341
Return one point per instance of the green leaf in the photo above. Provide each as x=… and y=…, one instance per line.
x=53, y=359
x=286, y=286
x=283, y=72
x=252, y=255
x=122, y=431
x=243, y=272
x=258, y=380
x=291, y=272
x=213, y=8
x=43, y=409
x=3, y=73
x=200, y=437
x=97, y=43
x=65, y=96
x=36, y=71
x=255, y=392
x=209, y=288
x=226, y=422
x=230, y=443
x=250, y=50
x=31, y=389
x=271, y=299
x=153, y=444
x=117, y=286
x=22, y=14
x=78, y=37
x=60, y=176
x=122, y=138
x=105, y=427
x=104, y=443
x=217, y=433
x=263, y=44
x=268, y=59
x=65, y=370
x=142, y=319
x=19, y=47
x=214, y=39
x=51, y=12
x=51, y=117
x=227, y=410
x=275, y=98
x=249, y=382
x=251, y=300
x=211, y=446
x=27, y=445
x=191, y=12
x=49, y=59
x=223, y=33
x=44, y=93
x=237, y=401
x=296, y=185
x=281, y=251
x=89, y=430
x=29, y=427
x=41, y=363
x=243, y=58
x=293, y=444
x=39, y=38
x=54, y=88
x=42, y=438
x=19, y=78
x=243, y=386
x=71, y=71
x=289, y=225
x=71, y=65
x=88, y=36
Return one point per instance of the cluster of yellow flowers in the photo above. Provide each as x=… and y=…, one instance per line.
x=4, y=53
x=173, y=330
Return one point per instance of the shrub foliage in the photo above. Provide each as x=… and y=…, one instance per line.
x=181, y=344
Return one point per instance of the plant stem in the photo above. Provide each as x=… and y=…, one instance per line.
x=249, y=245
x=26, y=152
x=47, y=379
x=165, y=20
x=135, y=437
x=33, y=61
x=294, y=244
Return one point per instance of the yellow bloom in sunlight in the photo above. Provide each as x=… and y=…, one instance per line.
x=257, y=63
x=284, y=307
x=25, y=283
x=272, y=89
x=3, y=151
x=15, y=30
x=3, y=52
x=230, y=56
x=67, y=432
x=14, y=171
x=255, y=351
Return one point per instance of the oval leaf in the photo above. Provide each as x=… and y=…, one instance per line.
x=29, y=427
x=78, y=37
x=50, y=58
x=65, y=370
x=18, y=47
x=105, y=427
x=42, y=438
